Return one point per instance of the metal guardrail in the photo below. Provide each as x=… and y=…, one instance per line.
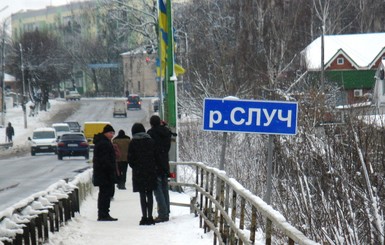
x=31, y=220
x=6, y=145
x=230, y=211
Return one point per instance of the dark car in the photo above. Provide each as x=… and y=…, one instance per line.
x=73, y=144
x=156, y=105
x=134, y=102
x=74, y=126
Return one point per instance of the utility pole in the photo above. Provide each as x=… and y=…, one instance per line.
x=3, y=77
x=3, y=71
x=22, y=77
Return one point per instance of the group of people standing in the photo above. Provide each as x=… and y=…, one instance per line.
x=147, y=154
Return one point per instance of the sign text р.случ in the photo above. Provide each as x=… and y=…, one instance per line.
x=250, y=116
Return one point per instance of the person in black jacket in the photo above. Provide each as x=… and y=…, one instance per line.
x=142, y=159
x=10, y=132
x=162, y=136
x=104, y=174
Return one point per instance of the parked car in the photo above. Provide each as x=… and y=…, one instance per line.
x=134, y=102
x=61, y=128
x=73, y=144
x=43, y=140
x=72, y=95
x=120, y=109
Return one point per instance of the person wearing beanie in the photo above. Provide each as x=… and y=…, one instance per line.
x=162, y=137
x=104, y=174
x=122, y=141
x=108, y=128
x=142, y=159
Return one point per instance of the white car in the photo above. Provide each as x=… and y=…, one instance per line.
x=72, y=95
x=43, y=140
x=61, y=128
x=120, y=109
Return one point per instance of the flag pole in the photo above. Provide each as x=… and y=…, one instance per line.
x=170, y=77
x=171, y=86
x=159, y=79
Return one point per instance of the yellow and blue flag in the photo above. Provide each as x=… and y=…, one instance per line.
x=163, y=41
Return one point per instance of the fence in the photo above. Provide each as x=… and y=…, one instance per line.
x=230, y=211
x=5, y=145
x=223, y=205
x=31, y=220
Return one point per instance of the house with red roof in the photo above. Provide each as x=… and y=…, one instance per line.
x=350, y=60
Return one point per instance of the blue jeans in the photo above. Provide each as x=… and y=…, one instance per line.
x=162, y=197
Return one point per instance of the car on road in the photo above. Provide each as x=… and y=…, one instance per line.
x=134, y=102
x=119, y=109
x=155, y=105
x=73, y=144
x=74, y=126
x=61, y=128
x=43, y=140
x=72, y=95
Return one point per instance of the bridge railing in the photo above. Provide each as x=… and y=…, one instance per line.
x=229, y=210
x=31, y=220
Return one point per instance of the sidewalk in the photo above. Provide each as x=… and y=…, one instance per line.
x=183, y=227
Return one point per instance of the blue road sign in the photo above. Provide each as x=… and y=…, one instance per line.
x=251, y=116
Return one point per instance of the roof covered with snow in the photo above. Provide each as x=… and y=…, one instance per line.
x=9, y=78
x=361, y=49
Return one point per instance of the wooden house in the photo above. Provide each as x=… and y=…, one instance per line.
x=350, y=61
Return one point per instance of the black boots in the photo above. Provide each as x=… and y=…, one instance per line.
x=147, y=221
x=143, y=221
x=106, y=218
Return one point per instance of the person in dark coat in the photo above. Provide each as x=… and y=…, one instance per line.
x=142, y=159
x=162, y=136
x=10, y=132
x=104, y=174
x=122, y=141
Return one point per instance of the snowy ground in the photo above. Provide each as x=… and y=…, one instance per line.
x=16, y=117
x=183, y=227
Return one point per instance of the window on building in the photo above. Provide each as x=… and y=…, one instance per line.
x=340, y=61
x=139, y=87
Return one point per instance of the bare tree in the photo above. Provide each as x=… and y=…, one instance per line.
x=45, y=64
x=326, y=181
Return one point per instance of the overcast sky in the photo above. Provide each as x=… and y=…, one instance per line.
x=13, y=6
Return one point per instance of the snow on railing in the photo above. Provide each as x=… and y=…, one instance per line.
x=31, y=219
x=231, y=211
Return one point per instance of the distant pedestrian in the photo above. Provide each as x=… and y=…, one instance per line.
x=142, y=159
x=122, y=141
x=104, y=174
x=32, y=110
x=10, y=132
